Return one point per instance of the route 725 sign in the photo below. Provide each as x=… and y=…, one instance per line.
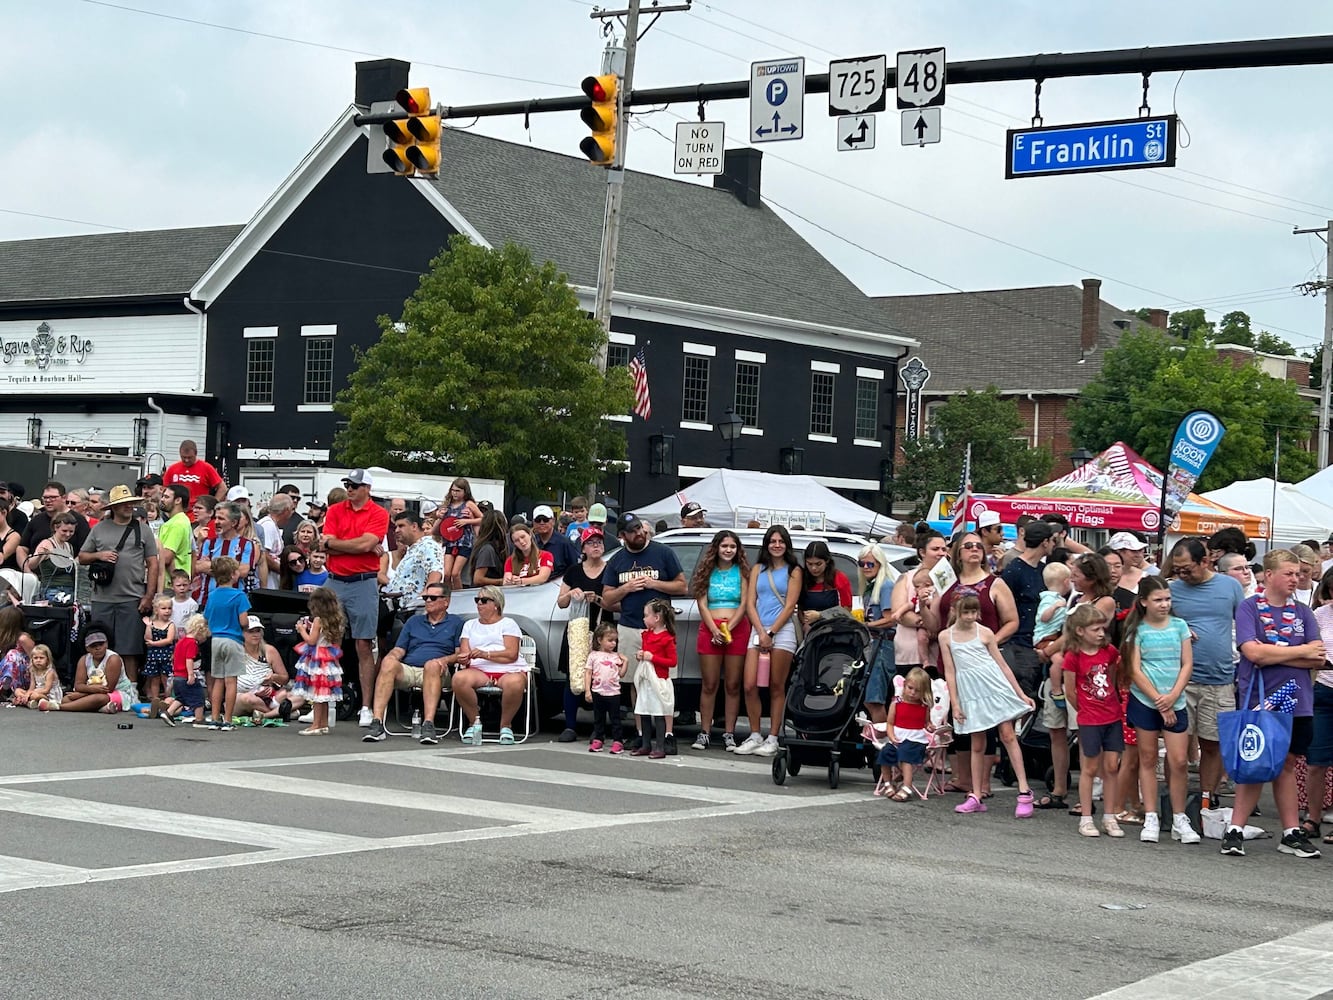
x=857, y=86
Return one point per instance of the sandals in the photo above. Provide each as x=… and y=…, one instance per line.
x=1049, y=801
x=1310, y=828
x=506, y=737
x=1131, y=818
x=901, y=795
x=472, y=735
x=1328, y=837
x=952, y=787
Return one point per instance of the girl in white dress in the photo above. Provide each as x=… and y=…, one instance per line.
x=984, y=695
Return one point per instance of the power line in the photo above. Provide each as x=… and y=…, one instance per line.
x=57, y=218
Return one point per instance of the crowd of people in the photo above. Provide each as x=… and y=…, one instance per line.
x=1130, y=662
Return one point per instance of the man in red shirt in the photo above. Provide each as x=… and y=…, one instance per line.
x=353, y=537
x=195, y=475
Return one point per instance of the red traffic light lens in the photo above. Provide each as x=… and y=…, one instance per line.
x=407, y=100
x=598, y=92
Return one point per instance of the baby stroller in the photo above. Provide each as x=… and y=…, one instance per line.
x=825, y=690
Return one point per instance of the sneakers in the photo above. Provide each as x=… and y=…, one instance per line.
x=1297, y=843
x=769, y=748
x=729, y=744
x=306, y=717
x=1151, y=829
x=1024, y=808
x=166, y=717
x=1233, y=842
x=669, y=745
x=567, y=736
x=365, y=718
x=752, y=743
x=617, y=747
x=971, y=804
x=376, y=733
x=226, y=727
x=1087, y=827
x=428, y=734
x=596, y=746
x=1111, y=827
x=700, y=742
x=1183, y=832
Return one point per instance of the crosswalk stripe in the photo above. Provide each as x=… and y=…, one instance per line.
x=572, y=779
x=218, y=828
x=456, y=805
x=24, y=873
x=1296, y=967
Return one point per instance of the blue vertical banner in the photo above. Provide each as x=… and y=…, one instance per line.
x=1197, y=437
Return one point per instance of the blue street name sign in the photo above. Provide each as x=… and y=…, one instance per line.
x=1131, y=144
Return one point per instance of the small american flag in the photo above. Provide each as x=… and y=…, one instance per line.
x=964, y=494
x=638, y=369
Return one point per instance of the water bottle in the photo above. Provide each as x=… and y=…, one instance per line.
x=763, y=669
x=416, y=723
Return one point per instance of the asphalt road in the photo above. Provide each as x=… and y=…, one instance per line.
x=156, y=862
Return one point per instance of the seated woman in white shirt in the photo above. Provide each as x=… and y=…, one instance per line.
x=489, y=648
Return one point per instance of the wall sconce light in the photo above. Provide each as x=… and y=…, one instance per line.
x=140, y=436
x=35, y=431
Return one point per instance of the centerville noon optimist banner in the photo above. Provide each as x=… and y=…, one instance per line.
x=1196, y=439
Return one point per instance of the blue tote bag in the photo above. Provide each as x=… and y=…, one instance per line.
x=1254, y=741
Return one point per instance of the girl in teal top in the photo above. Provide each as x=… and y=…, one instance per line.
x=720, y=586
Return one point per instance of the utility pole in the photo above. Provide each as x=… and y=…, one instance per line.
x=1326, y=369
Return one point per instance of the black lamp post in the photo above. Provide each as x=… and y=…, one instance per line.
x=1081, y=457
x=730, y=428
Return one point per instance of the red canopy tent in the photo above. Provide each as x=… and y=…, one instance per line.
x=1116, y=491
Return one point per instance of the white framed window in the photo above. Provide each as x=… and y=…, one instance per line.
x=867, y=409
x=747, y=392
x=821, y=403
x=259, y=355
x=318, y=371
x=617, y=355
x=694, y=397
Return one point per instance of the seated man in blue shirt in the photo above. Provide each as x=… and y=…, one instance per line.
x=424, y=650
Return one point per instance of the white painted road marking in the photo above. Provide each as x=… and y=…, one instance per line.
x=1296, y=967
x=284, y=843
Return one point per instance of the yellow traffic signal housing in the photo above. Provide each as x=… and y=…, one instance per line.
x=415, y=142
x=600, y=117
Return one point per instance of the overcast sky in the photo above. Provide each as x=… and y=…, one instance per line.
x=148, y=114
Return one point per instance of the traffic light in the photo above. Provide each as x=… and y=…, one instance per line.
x=600, y=116
x=415, y=142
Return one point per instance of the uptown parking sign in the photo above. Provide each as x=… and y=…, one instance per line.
x=1130, y=144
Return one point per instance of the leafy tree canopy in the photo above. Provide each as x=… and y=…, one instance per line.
x=1149, y=381
x=1001, y=460
x=490, y=373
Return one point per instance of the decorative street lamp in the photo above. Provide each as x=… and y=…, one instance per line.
x=730, y=428
x=1081, y=457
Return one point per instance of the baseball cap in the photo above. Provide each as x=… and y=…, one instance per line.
x=252, y=623
x=987, y=518
x=541, y=510
x=629, y=524
x=429, y=507
x=150, y=480
x=692, y=509
x=1125, y=540
x=1037, y=532
x=238, y=493
x=588, y=533
x=359, y=477
x=597, y=513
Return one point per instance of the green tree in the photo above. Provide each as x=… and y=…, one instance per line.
x=490, y=373
x=1235, y=329
x=1316, y=366
x=1271, y=343
x=1189, y=322
x=1148, y=382
x=1001, y=460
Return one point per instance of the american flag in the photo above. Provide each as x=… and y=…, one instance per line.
x=964, y=494
x=638, y=369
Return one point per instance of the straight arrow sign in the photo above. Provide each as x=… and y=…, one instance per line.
x=920, y=126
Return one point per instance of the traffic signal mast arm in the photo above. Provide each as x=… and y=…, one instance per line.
x=1304, y=51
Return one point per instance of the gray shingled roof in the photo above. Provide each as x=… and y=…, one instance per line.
x=110, y=265
x=678, y=241
x=1012, y=338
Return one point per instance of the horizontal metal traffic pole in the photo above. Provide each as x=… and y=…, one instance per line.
x=1252, y=54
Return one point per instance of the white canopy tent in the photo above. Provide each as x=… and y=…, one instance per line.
x=735, y=497
x=1296, y=515
x=1319, y=486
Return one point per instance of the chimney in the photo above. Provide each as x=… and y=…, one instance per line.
x=1092, y=314
x=1157, y=318
x=380, y=80
x=740, y=175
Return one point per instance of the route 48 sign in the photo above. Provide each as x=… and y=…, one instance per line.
x=857, y=86
x=777, y=100
x=921, y=78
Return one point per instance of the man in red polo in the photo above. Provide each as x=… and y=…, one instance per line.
x=353, y=536
x=194, y=474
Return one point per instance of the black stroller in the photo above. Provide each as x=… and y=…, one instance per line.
x=824, y=693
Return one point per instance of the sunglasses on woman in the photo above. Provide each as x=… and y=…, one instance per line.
x=483, y=600
x=868, y=564
x=973, y=545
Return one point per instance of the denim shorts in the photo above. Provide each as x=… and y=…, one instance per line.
x=1142, y=716
x=881, y=673
x=1320, y=751
x=905, y=752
